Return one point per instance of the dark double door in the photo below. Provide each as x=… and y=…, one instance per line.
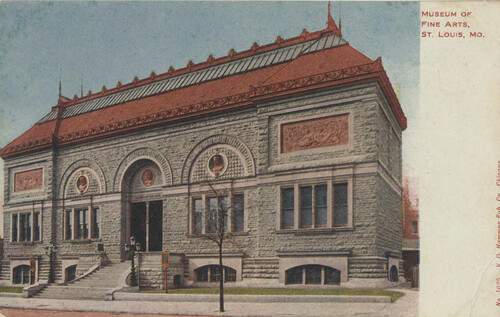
x=146, y=224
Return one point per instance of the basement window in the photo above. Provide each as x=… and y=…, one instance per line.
x=211, y=273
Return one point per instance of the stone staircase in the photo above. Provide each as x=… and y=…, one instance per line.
x=43, y=275
x=5, y=272
x=92, y=286
x=260, y=268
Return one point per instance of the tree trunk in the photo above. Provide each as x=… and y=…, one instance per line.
x=221, y=282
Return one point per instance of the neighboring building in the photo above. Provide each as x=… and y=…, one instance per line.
x=411, y=250
x=303, y=136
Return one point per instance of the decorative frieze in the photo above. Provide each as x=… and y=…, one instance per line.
x=315, y=133
x=28, y=180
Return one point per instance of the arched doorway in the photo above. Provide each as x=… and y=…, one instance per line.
x=142, y=192
x=70, y=273
x=393, y=274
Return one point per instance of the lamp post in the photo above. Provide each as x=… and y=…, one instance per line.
x=131, y=249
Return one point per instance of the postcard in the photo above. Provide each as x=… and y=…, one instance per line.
x=301, y=158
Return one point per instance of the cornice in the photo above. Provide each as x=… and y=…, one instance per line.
x=368, y=72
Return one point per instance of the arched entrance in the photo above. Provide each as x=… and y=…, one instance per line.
x=393, y=274
x=70, y=273
x=142, y=198
x=146, y=224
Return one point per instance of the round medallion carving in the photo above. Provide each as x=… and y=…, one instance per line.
x=148, y=178
x=217, y=164
x=82, y=184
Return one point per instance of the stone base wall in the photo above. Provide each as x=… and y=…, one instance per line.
x=266, y=268
x=151, y=274
x=367, y=268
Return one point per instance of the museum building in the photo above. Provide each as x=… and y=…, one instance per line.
x=300, y=139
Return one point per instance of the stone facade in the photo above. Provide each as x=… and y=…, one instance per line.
x=364, y=249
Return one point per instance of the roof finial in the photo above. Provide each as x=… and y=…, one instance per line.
x=340, y=19
x=330, y=25
x=60, y=70
x=81, y=88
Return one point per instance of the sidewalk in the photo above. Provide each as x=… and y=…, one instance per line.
x=404, y=307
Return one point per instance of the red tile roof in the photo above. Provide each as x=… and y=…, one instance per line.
x=337, y=66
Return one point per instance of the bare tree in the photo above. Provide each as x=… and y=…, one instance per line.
x=218, y=233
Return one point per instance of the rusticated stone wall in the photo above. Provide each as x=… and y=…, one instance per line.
x=252, y=136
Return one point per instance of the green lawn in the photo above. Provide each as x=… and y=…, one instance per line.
x=11, y=289
x=283, y=291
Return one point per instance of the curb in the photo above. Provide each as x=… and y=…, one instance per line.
x=19, y=295
x=121, y=296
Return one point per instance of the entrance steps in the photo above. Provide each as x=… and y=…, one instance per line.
x=92, y=286
x=5, y=272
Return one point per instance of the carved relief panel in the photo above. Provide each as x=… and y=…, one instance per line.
x=28, y=180
x=83, y=181
x=315, y=133
x=218, y=162
x=147, y=176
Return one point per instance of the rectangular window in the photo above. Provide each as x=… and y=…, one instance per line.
x=96, y=223
x=415, y=227
x=313, y=274
x=238, y=213
x=78, y=224
x=340, y=204
x=69, y=224
x=315, y=206
x=24, y=227
x=197, y=215
x=81, y=224
x=212, y=214
x=28, y=227
x=14, y=227
x=320, y=206
x=85, y=223
x=287, y=208
x=224, y=209
x=215, y=273
x=306, y=202
x=216, y=206
x=36, y=226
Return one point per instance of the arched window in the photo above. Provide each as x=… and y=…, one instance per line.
x=22, y=275
x=211, y=273
x=393, y=274
x=312, y=274
x=70, y=273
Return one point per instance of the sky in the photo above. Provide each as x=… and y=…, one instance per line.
x=97, y=44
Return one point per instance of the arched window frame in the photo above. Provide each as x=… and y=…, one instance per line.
x=205, y=274
x=312, y=274
x=21, y=275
